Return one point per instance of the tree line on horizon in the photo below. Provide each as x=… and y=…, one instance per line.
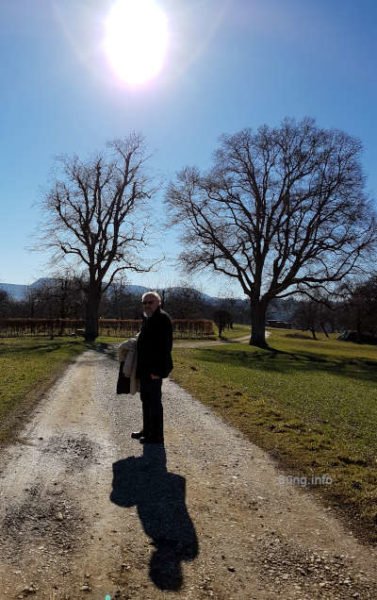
x=63, y=297
x=282, y=210
x=353, y=308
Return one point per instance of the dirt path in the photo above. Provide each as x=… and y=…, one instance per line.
x=200, y=343
x=86, y=512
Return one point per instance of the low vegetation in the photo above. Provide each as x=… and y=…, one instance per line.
x=311, y=404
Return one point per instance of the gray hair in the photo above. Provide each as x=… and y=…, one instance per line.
x=155, y=294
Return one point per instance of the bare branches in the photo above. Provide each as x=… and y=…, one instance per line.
x=92, y=215
x=281, y=209
x=91, y=209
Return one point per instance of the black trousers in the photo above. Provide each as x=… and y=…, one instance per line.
x=153, y=413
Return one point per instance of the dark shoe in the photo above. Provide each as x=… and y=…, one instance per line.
x=136, y=435
x=148, y=440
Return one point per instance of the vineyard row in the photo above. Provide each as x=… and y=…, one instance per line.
x=15, y=327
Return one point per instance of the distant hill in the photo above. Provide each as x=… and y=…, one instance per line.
x=15, y=290
x=19, y=291
x=281, y=310
x=278, y=309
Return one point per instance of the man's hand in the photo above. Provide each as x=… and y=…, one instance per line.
x=155, y=376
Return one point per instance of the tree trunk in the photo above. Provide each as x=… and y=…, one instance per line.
x=324, y=330
x=359, y=328
x=258, y=324
x=91, y=315
x=62, y=311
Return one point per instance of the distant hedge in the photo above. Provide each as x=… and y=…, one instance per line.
x=17, y=327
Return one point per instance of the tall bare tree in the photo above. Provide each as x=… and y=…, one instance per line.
x=282, y=210
x=91, y=217
x=358, y=311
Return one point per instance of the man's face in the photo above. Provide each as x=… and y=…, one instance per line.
x=150, y=303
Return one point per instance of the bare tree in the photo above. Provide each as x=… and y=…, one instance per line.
x=223, y=319
x=59, y=297
x=184, y=302
x=358, y=311
x=121, y=302
x=5, y=304
x=314, y=314
x=91, y=217
x=282, y=210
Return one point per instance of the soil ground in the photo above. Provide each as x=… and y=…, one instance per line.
x=86, y=512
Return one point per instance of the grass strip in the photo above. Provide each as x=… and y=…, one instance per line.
x=237, y=331
x=28, y=367
x=311, y=404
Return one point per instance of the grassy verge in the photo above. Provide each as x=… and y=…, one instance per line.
x=311, y=404
x=28, y=366
x=237, y=331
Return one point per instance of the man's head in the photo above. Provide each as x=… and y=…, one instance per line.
x=150, y=301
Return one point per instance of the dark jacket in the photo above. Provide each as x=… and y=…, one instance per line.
x=154, y=345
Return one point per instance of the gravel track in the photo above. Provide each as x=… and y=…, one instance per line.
x=87, y=512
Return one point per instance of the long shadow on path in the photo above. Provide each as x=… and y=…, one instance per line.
x=159, y=497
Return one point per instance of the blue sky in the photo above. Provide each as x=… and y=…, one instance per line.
x=230, y=64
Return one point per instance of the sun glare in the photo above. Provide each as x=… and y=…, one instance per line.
x=136, y=40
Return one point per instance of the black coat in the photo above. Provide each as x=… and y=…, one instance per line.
x=154, y=345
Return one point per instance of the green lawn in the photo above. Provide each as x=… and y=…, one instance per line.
x=28, y=366
x=235, y=332
x=312, y=404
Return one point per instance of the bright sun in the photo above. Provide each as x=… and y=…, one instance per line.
x=136, y=39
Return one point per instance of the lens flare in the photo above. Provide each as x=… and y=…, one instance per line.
x=136, y=40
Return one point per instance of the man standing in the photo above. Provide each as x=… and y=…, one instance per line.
x=154, y=362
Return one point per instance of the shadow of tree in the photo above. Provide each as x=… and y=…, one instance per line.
x=103, y=348
x=282, y=361
x=44, y=347
x=159, y=497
